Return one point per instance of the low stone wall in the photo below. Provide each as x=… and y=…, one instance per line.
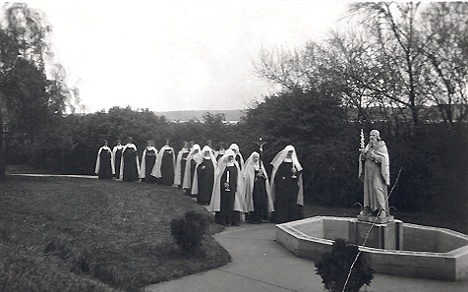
x=450, y=265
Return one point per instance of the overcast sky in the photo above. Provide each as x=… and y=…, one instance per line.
x=177, y=55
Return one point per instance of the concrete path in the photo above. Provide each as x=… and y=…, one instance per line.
x=54, y=175
x=259, y=264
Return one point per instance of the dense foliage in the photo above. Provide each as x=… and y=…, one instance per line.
x=189, y=230
x=71, y=143
x=32, y=87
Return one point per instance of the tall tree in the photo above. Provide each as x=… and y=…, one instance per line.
x=392, y=28
x=401, y=62
x=215, y=128
x=305, y=69
x=27, y=97
x=447, y=54
x=421, y=54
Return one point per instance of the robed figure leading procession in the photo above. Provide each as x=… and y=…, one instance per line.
x=104, y=162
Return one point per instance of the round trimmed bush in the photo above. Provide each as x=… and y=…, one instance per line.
x=189, y=230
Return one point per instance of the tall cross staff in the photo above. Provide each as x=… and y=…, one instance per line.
x=361, y=148
x=362, y=141
x=260, y=144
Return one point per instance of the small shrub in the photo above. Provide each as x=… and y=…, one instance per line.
x=189, y=231
x=334, y=267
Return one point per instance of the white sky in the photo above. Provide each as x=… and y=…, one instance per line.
x=177, y=55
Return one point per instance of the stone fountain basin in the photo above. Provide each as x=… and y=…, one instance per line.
x=420, y=251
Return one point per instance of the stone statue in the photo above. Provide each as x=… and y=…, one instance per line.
x=374, y=171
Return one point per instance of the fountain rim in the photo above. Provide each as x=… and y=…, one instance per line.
x=288, y=226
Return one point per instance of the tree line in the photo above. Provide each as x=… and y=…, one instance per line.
x=401, y=70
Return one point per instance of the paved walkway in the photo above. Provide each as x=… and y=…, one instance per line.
x=259, y=264
x=54, y=175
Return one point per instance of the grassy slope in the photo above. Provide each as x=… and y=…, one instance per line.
x=103, y=231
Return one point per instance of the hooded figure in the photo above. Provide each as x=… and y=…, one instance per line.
x=180, y=165
x=129, y=165
x=376, y=176
x=164, y=169
x=192, y=159
x=220, y=151
x=104, y=162
x=238, y=156
x=258, y=200
x=227, y=197
x=117, y=154
x=203, y=178
x=287, y=186
x=148, y=160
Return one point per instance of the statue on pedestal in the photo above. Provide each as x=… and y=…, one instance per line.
x=374, y=171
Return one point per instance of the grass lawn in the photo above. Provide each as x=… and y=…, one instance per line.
x=77, y=234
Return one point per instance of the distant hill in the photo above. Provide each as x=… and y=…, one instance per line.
x=231, y=115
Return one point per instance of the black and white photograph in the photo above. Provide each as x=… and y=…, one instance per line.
x=257, y=145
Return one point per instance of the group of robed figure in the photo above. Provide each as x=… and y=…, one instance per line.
x=233, y=189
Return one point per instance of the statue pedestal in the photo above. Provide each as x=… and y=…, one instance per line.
x=386, y=233
x=375, y=219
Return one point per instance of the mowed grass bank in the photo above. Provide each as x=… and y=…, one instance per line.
x=76, y=234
